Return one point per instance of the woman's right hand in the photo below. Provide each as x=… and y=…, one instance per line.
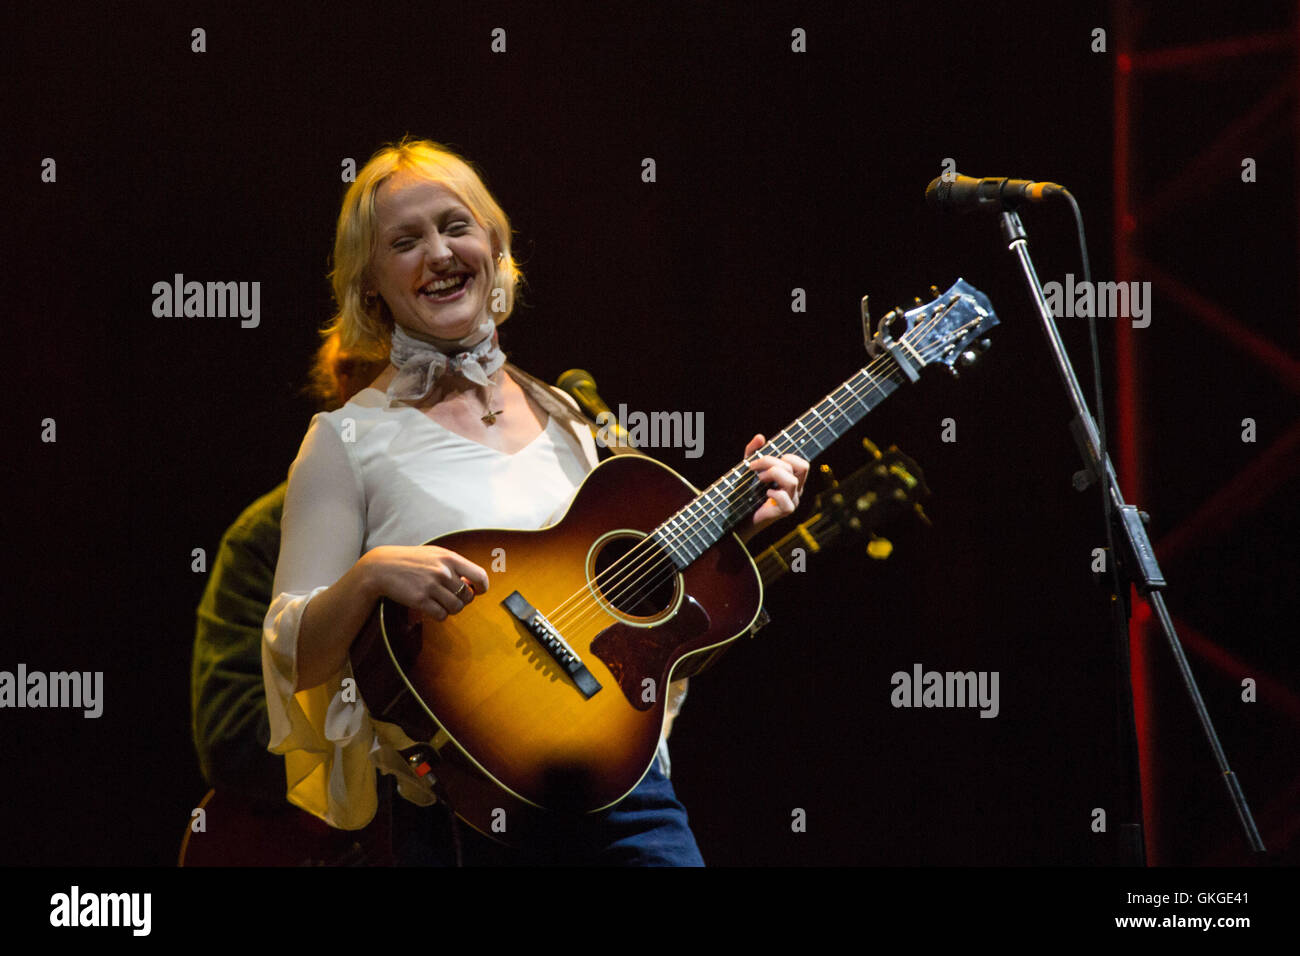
x=426, y=578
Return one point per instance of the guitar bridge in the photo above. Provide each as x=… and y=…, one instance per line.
x=537, y=625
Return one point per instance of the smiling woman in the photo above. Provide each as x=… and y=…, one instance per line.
x=432, y=266
x=448, y=437
x=443, y=185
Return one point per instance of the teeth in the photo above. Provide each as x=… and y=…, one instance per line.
x=443, y=284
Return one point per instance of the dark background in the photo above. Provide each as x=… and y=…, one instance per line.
x=775, y=170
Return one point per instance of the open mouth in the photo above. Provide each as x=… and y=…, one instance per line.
x=441, y=290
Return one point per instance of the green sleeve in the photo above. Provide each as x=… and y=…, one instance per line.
x=230, y=725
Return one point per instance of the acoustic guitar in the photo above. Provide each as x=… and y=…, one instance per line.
x=543, y=701
x=240, y=831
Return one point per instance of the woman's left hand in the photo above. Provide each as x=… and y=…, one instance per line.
x=784, y=477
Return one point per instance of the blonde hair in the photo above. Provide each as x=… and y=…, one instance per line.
x=364, y=326
x=336, y=374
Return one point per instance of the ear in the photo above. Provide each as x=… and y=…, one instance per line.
x=366, y=288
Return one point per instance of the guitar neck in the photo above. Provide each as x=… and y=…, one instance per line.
x=812, y=535
x=734, y=497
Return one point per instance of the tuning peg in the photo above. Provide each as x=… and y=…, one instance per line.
x=968, y=358
x=984, y=345
x=895, y=313
x=903, y=475
x=917, y=300
x=934, y=292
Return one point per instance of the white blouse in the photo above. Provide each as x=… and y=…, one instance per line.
x=369, y=475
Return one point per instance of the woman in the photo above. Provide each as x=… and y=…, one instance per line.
x=447, y=437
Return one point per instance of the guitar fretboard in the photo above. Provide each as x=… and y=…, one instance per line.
x=733, y=497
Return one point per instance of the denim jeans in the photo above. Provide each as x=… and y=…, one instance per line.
x=647, y=828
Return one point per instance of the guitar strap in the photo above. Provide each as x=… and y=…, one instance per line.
x=560, y=406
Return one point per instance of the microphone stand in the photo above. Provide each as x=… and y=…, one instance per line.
x=1125, y=523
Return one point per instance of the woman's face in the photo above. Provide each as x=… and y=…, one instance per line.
x=433, y=262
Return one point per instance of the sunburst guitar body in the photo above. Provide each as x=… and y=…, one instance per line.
x=489, y=685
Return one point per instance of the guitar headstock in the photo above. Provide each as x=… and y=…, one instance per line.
x=889, y=484
x=948, y=330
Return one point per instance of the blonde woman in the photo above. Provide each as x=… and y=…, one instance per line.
x=448, y=437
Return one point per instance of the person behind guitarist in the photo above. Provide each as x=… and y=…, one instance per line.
x=229, y=722
x=447, y=437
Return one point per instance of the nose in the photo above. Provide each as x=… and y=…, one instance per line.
x=438, y=249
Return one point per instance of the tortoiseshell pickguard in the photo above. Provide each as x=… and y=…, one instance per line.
x=634, y=654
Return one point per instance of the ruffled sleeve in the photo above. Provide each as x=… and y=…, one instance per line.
x=323, y=732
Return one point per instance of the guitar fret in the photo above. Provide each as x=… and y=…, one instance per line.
x=674, y=555
x=812, y=439
x=704, y=508
x=692, y=532
x=834, y=434
x=838, y=411
x=853, y=392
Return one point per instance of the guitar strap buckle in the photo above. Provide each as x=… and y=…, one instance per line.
x=420, y=759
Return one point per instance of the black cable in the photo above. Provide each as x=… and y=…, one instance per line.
x=1092, y=328
x=1119, y=609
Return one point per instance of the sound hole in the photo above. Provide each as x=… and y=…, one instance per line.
x=635, y=576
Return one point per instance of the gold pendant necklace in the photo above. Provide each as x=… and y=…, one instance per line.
x=490, y=418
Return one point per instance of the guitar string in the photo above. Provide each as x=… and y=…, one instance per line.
x=648, y=580
x=653, y=552
x=615, y=580
x=661, y=568
x=746, y=487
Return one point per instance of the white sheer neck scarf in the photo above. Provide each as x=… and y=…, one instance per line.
x=420, y=362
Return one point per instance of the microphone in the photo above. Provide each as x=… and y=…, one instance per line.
x=579, y=383
x=964, y=193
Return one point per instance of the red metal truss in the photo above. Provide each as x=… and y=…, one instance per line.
x=1273, y=115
